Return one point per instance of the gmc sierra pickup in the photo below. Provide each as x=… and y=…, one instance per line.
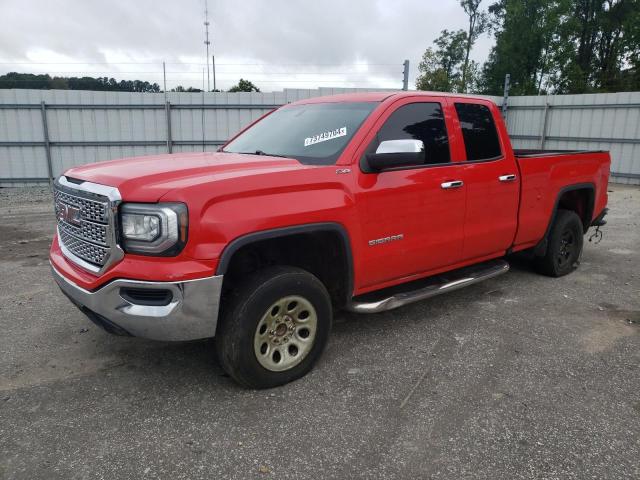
x=364, y=202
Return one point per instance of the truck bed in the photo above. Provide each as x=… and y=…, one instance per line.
x=545, y=175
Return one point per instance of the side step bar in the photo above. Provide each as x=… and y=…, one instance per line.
x=395, y=297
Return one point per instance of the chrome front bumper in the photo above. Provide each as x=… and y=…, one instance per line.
x=192, y=312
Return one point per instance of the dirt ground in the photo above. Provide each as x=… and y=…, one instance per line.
x=521, y=376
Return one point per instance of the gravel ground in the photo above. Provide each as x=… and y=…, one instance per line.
x=521, y=376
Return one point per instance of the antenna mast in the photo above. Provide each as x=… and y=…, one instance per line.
x=206, y=39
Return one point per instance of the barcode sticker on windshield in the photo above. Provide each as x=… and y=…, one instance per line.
x=323, y=137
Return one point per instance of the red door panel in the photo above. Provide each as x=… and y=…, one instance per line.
x=490, y=175
x=411, y=204
x=492, y=208
x=409, y=223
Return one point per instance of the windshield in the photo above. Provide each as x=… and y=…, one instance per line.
x=314, y=134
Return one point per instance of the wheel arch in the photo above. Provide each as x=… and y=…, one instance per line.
x=569, y=198
x=283, y=233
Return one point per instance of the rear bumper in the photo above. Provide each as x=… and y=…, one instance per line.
x=599, y=221
x=190, y=314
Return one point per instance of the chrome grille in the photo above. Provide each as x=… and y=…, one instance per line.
x=92, y=210
x=91, y=232
x=85, y=250
x=85, y=224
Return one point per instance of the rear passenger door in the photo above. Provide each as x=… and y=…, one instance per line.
x=491, y=178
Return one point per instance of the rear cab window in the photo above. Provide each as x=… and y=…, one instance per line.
x=479, y=132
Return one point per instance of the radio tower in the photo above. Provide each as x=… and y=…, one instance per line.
x=206, y=39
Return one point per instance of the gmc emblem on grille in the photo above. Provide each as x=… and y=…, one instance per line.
x=68, y=214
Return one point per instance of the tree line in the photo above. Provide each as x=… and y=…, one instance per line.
x=46, y=82
x=547, y=46
x=242, y=86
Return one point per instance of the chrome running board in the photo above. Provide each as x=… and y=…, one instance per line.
x=395, y=297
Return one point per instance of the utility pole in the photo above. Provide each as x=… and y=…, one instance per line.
x=213, y=66
x=206, y=39
x=405, y=73
x=202, y=110
x=505, y=98
x=164, y=76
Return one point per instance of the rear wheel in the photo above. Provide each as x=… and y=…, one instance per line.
x=274, y=327
x=564, y=248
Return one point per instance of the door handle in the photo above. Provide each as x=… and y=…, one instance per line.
x=452, y=184
x=507, y=178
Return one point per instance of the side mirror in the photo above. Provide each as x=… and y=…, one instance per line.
x=396, y=153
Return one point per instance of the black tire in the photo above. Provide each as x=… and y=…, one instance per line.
x=564, y=247
x=244, y=310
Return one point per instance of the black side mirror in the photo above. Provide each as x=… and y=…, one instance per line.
x=396, y=153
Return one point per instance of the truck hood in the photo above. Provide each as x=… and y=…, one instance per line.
x=148, y=178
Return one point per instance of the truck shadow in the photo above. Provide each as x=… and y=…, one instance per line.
x=197, y=360
x=94, y=352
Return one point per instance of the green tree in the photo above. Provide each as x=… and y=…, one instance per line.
x=180, y=88
x=600, y=46
x=441, y=68
x=244, y=86
x=45, y=82
x=26, y=80
x=564, y=46
x=477, y=25
x=631, y=75
x=526, y=33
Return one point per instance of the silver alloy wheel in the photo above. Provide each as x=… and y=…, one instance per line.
x=286, y=333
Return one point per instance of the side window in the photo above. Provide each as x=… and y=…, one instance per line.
x=478, y=130
x=418, y=121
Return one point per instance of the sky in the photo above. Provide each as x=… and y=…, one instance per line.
x=274, y=43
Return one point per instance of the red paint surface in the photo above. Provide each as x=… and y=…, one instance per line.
x=231, y=195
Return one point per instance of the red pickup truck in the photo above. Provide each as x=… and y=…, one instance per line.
x=364, y=202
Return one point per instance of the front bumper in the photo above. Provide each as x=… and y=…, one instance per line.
x=191, y=314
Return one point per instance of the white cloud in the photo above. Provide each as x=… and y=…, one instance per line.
x=274, y=43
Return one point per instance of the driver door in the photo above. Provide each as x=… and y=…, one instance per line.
x=412, y=217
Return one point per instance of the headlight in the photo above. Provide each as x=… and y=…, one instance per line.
x=154, y=229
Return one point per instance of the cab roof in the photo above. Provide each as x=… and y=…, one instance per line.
x=380, y=96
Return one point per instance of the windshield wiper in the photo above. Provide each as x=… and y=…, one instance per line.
x=260, y=152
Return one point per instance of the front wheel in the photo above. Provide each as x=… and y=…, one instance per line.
x=564, y=248
x=274, y=327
